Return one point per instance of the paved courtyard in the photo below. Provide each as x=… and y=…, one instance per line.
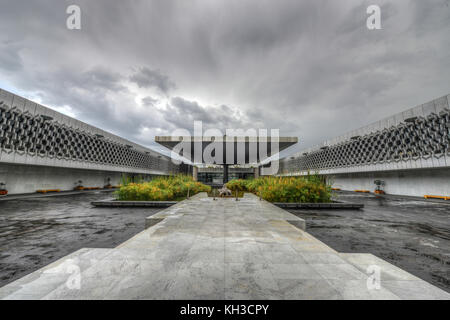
x=222, y=249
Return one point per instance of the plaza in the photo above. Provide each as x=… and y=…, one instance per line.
x=205, y=247
x=220, y=249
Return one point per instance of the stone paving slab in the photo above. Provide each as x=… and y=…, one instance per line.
x=220, y=249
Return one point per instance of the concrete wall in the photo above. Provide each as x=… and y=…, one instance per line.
x=408, y=182
x=32, y=134
x=417, y=138
x=28, y=179
x=410, y=151
x=44, y=149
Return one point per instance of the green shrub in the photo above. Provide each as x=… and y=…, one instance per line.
x=311, y=188
x=238, y=185
x=253, y=185
x=161, y=189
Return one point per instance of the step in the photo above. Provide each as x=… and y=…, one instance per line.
x=400, y=282
x=39, y=283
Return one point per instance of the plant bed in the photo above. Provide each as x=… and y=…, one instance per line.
x=127, y=204
x=329, y=205
x=173, y=188
x=307, y=189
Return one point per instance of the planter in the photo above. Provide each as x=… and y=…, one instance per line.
x=330, y=205
x=47, y=190
x=134, y=204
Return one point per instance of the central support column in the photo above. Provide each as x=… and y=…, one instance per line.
x=195, y=173
x=256, y=172
x=225, y=173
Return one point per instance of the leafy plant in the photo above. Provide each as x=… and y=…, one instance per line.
x=237, y=185
x=310, y=188
x=161, y=189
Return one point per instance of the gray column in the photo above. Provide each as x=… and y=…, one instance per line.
x=256, y=172
x=195, y=173
x=225, y=173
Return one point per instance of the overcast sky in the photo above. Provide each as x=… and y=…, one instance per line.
x=309, y=68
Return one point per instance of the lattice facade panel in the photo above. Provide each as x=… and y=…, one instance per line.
x=416, y=138
x=49, y=135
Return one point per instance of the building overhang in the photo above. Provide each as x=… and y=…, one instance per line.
x=235, y=150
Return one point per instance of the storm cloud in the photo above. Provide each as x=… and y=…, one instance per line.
x=146, y=78
x=309, y=68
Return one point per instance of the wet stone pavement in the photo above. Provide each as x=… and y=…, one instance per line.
x=412, y=235
x=223, y=249
x=35, y=232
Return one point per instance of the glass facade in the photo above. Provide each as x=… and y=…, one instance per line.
x=217, y=177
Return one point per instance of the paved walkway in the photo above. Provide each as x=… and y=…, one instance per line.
x=223, y=249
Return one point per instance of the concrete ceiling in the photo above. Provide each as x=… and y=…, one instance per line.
x=236, y=150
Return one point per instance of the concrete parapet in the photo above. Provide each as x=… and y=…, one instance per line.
x=416, y=183
x=28, y=179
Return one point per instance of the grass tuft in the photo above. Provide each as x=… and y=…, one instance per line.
x=307, y=189
x=161, y=189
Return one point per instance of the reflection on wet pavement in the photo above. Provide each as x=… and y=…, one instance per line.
x=413, y=235
x=35, y=232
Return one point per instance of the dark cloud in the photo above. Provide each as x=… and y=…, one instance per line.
x=146, y=78
x=310, y=68
x=102, y=78
x=182, y=113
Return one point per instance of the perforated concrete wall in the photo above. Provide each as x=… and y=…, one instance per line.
x=32, y=134
x=415, y=139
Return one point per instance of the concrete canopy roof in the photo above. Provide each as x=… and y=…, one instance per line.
x=236, y=150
